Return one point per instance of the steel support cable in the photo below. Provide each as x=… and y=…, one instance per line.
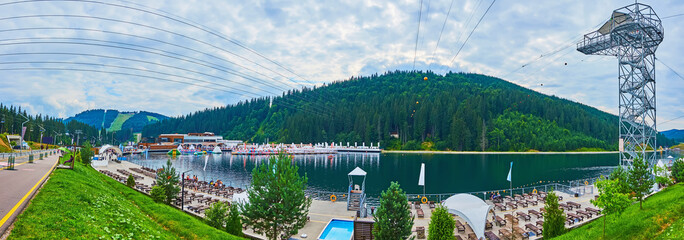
x=465, y=27
x=132, y=75
x=440, y=34
x=415, y=49
x=471, y=32
x=146, y=26
x=146, y=38
x=194, y=60
x=152, y=39
x=187, y=22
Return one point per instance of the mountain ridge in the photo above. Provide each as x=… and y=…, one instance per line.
x=455, y=111
x=114, y=120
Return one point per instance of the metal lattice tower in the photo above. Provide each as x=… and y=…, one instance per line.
x=632, y=34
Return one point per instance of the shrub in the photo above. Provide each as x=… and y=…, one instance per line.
x=393, y=219
x=86, y=153
x=216, y=215
x=234, y=221
x=441, y=225
x=639, y=179
x=130, y=181
x=158, y=194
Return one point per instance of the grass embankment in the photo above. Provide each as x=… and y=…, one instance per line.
x=661, y=218
x=4, y=145
x=84, y=204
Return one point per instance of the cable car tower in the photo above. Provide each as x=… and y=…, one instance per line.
x=632, y=34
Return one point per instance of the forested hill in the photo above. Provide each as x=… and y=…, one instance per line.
x=458, y=111
x=114, y=120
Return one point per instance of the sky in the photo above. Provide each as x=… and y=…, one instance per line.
x=176, y=57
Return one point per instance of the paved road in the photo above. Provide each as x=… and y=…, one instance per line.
x=18, y=186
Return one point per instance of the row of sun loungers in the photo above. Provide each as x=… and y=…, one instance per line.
x=144, y=172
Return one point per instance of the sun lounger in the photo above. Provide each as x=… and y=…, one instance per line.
x=500, y=221
x=533, y=228
x=524, y=216
x=517, y=196
x=417, y=205
x=431, y=204
x=459, y=226
x=519, y=232
x=540, y=224
x=491, y=236
x=532, y=202
x=596, y=211
x=575, y=216
x=420, y=213
x=522, y=203
x=488, y=225
x=458, y=237
x=504, y=233
x=584, y=213
x=500, y=206
x=564, y=206
x=574, y=204
x=535, y=213
x=511, y=218
x=512, y=205
x=472, y=236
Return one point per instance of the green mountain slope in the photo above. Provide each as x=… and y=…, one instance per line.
x=114, y=120
x=458, y=111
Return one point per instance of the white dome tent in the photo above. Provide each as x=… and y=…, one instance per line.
x=471, y=208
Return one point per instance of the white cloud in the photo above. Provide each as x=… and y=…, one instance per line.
x=322, y=41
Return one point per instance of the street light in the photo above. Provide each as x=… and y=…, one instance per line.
x=183, y=189
x=21, y=142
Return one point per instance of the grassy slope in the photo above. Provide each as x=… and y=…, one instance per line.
x=118, y=121
x=661, y=218
x=84, y=204
x=4, y=145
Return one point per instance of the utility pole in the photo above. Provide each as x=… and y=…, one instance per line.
x=78, y=137
x=41, y=135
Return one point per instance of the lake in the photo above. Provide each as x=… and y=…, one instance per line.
x=445, y=173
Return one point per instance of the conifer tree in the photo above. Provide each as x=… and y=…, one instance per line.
x=393, y=219
x=441, y=225
x=640, y=181
x=554, y=217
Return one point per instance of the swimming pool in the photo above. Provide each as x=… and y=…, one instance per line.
x=338, y=230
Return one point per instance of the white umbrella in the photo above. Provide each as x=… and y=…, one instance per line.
x=421, y=179
x=471, y=208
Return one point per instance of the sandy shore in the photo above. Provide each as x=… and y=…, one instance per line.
x=456, y=152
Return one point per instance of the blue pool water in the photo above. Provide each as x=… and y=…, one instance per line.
x=338, y=230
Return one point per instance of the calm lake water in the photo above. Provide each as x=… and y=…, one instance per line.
x=445, y=173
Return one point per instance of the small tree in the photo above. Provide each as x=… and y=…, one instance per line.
x=86, y=153
x=678, y=170
x=639, y=179
x=554, y=217
x=234, y=221
x=130, y=181
x=441, y=225
x=216, y=215
x=610, y=199
x=620, y=175
x=393, y=219
x=662, y=177
x=277, y=205
x=158, y=194
x=168, y=179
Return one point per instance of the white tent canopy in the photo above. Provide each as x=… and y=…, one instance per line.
x=116, y=150
x=242, y=198
x=471, y=208
x=357, y=172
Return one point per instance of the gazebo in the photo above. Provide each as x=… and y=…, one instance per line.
x=471, y=208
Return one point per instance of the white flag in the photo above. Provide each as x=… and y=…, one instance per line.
x=509, y=172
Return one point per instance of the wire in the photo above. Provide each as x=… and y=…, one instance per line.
x=675, y=72
x=671, y=16
x=415, y=49
x=164, y=54
x=440, y=33
x=471, y=32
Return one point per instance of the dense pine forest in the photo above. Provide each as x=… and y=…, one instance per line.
x=402, y=110
x=11, y=119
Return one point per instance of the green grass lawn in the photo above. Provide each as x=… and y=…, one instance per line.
x=84, y=204
x=661, y=218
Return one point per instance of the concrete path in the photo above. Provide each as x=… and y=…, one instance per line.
x=18, y=186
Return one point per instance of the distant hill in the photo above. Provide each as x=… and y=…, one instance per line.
x=456, y=111
x=113, y=120
x=674, y=134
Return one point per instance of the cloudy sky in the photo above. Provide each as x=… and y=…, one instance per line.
x=175, y=57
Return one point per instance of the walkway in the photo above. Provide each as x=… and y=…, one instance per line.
x=18, y=186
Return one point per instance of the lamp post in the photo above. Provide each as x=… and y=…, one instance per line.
x=183, y=190
x=21, y=142
x=41, y=135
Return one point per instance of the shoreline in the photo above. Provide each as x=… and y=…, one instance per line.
x=461, y=152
